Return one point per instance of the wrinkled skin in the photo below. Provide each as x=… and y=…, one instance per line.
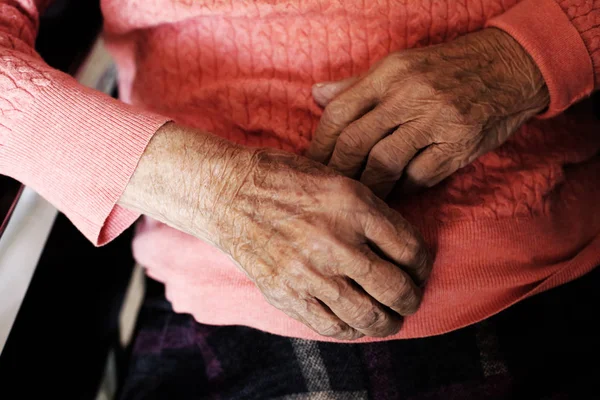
x=320, y=246
x=422, y=114
x=323, y=248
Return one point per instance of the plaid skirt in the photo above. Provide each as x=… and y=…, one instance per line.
x=546, y=347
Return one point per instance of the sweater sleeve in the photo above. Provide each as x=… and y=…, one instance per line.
x=563, y=38
x=75, y=146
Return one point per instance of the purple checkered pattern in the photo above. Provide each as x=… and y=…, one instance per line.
x=546, y=347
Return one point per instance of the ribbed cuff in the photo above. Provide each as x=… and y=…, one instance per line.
x=547, y=34
x=79, y=148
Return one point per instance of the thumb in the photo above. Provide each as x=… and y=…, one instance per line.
x=324, y=92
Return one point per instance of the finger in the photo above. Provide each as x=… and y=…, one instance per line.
x=359, y=310
x=430, y=167
x=386, y=283
x=389, y=157
x=399, y=241
x=357, y=139
x=325, y=92
x=347, y=107
x=322, y=320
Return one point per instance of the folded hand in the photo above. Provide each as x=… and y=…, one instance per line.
x=424, y=113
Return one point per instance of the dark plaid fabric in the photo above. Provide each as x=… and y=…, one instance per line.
x=546, y=347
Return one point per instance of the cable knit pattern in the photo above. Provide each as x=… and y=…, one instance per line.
x=76, y=147
x=517, y=221
x=585, y=17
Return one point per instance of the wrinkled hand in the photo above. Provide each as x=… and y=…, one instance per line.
x=424, y=113
x=321, y=247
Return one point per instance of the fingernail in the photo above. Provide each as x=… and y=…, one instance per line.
x=320, y=84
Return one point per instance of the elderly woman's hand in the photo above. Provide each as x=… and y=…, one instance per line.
x=320, y=246
x=427, y=112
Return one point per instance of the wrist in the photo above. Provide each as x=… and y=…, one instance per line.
x=183, y=179
x=515, y=75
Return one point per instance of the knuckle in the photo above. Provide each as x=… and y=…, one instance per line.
x=390, y=65
x=412, y=248
x=350, y=188
x=389, y=112
x=363, y=268
x=350, y=143
x=368, y=318
x=408, y=141
x=238, y=249
x=407, y=299
x=278, y=294
x=336, y=113
x=336, y=329
x=432, y=176
x=317, y=243
x=353, y=334
x=395, y=58
x=265, y=282
x=421, y=179
x=417, y=253
x=423, y=87
x=380, y=160
x=331, y=290
x=390, y=327
x=423, y=263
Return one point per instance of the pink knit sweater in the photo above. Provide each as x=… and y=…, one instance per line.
x=516, y=222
